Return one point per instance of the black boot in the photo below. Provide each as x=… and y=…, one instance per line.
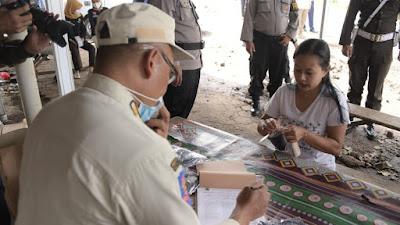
x=255, y=106
x=370, y=131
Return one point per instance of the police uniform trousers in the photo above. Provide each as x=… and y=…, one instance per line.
x=76, y=57
x=369, y=60
x=269, y=56
x=179, y=100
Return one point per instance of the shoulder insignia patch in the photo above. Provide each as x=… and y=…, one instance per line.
x=175, y=164
x=134, y=108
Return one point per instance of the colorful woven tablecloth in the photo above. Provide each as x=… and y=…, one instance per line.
x=298, y=188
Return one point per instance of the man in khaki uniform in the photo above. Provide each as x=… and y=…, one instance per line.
x=304, y=7
x=95, y=156
x=268, y=27
x=181, y=94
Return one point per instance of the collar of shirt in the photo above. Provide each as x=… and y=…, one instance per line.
x=109, y=87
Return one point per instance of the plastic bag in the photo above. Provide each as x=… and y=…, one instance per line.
x=189, y=160
x=278, y=139
x=291, y=221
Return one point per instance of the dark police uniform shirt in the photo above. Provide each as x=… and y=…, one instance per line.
x=383, y=22
x=79, y=28
x=92, y=15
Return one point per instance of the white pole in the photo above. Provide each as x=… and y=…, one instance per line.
x=62, y=56
x=321, y=33
x=27, y=83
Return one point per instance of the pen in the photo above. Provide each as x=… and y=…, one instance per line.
x=263, y=139
x=254, y=189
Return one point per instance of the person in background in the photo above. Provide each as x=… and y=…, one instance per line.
x=98, y=156
x=14, y=52
x=304, y=7
x=17, y=51
x=94, y=13
x=267, y=32
x=311, y=18
x=398, y=57
x=181, y=94
x=286, y=71
x=371, y=54
x=312, y=111
x=41, y=4
x=77, y=37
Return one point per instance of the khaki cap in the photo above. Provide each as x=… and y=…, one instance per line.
x=138, y=23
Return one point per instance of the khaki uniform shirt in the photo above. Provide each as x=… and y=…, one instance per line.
x=270, y=17
x=383, y=22
x=88, y=159
x=187, y=28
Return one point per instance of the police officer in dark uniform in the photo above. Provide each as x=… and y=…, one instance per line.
x=371, y=53
x=182, y=92
x=268, y=27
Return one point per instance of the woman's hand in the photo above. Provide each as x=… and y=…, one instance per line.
x=267, y=126
x=294, y=133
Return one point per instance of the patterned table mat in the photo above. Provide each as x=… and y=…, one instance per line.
x=298, y=188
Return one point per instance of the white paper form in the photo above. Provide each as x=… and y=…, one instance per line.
x=215, y=205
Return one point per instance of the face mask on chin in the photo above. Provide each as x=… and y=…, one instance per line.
x=77, y=12
x=97, y=5
x=145, y=111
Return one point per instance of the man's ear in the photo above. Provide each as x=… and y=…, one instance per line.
x=150, y=61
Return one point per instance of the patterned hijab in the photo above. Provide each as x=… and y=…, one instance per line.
x=71, y=7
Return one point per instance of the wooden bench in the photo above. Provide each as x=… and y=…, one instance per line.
x=367, y=115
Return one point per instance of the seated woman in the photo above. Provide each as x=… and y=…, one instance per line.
x=94, y=13
x=76, y=37
x=312, y=111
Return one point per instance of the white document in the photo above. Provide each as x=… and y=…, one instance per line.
x=79, y=41
x=215, y=205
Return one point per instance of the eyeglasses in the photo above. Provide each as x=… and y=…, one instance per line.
x=174, y=72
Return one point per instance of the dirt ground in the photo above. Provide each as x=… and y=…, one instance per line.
x=223, y=102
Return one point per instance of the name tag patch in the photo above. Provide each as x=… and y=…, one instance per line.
x=175, y=164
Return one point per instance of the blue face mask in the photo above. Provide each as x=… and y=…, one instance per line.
x=145, y=111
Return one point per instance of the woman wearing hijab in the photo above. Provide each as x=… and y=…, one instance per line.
x=76, y=36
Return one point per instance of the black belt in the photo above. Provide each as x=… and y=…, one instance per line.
x=191, y=46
